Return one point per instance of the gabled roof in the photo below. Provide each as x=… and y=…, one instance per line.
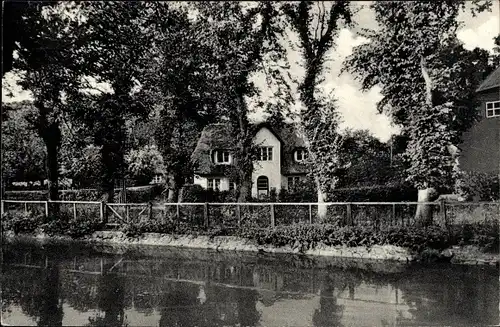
x=492, y=81
x=220, y=136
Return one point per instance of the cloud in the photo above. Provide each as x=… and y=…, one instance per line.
x=358, y=109
x=481, y=36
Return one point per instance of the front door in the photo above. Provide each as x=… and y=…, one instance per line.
x=262, y=186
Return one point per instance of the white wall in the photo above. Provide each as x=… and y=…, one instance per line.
x=270, y=169
x=202, y=181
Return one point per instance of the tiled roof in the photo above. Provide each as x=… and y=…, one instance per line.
x=492, y=81
x=220, y=136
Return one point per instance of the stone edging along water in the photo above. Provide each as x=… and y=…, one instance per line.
x=460, y=255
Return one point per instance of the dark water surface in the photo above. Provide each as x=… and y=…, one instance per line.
x=64, y=284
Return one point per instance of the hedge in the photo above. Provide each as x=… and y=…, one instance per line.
x=378, y=193
x=134, y=194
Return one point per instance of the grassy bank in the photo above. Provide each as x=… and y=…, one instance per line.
x=298, y=238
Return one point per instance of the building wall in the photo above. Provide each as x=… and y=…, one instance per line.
x=270, y=169
x=481, y=143
x=203, y=181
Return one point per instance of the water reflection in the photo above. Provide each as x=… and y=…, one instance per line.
x=52, y=286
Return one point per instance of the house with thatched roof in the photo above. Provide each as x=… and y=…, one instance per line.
x=480, y=149
x=280, y=163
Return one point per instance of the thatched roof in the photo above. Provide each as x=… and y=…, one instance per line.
x=220, y=136
x=492, y=81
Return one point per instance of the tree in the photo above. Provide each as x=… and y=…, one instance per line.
x=370, y=161
x=241, y=36
x=47, y=65
x=14, y=29
x=118, y=37
x=428, y=81
x=179, y=81
x=318, y=116
x=23, y=151
x=143, y=163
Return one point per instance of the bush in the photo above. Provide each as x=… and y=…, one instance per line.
x=380, y=193
x=21, y=222
x=484, y=186
x=305, y=236
x=143, y=194
x=197, y=194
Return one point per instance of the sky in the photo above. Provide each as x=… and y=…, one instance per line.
x=357, y=109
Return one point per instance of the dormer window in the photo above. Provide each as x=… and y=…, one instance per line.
x=492, y=109
x=300, y=155
x=221, y=157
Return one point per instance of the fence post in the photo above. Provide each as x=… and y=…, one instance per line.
x=150, y=205
x=273, y=223
x=442, y=207
x=394, y=213
x=74, y=211
x=46, y=208
x=3, y=208
x=178, y=212
x=26, y=207
x=310, y=214
x=349, y=214
x=205, y=215
x=238, y=214
x=104, y=216
x=127, y=213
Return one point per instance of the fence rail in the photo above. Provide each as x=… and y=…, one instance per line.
x=260, y=214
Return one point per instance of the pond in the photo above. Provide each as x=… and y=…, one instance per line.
x=75, y=284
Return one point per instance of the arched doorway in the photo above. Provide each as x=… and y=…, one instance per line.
x=262, y=186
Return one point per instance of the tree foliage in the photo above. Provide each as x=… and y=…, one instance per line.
x=319, y=118
x=48, y=69
x=244, y=40
x=427, y=77
x=23, y=151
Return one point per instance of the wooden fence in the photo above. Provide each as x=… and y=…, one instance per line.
x=260, y=214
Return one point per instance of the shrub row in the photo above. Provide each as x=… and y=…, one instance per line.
x=306, y=193
x=298, y=236
x=134, y=195
x=28, y=223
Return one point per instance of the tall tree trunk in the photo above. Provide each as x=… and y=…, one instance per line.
x=51, y=135
x=322, y=209
x=244, y=149
x=423, y=214
x=108, y=178
x=52, y=170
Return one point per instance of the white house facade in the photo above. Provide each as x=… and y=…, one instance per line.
x=279, y=164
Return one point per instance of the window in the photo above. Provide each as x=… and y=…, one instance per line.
x=265, y=153
x=293, y=181
x=213, y=184
x=221, y=157
x=301, y=155
x=262, y=186
x=492, y=109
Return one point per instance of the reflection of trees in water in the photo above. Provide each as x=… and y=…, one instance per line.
x=51, y=311
x=188, y=304
x=110, y=300
x=37, y=292
x=80, y=290
x=455, y=295
x=329, y=312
